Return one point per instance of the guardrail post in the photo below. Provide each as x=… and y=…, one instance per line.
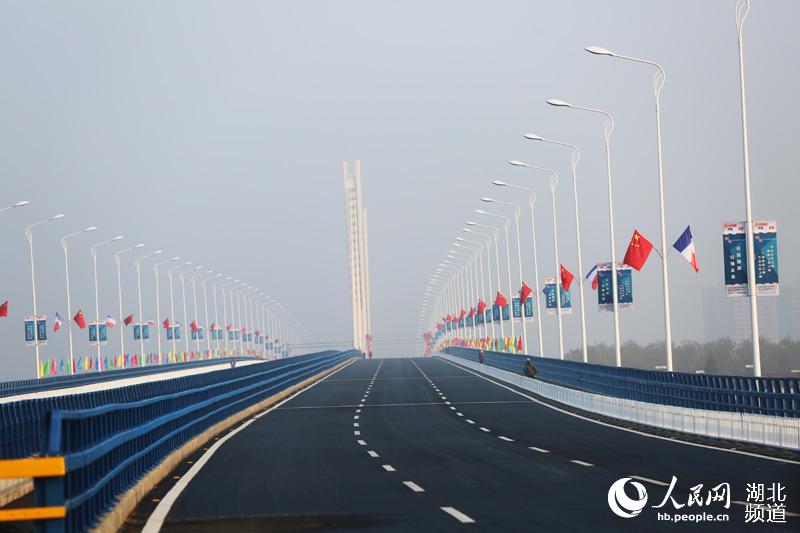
x=49, y=492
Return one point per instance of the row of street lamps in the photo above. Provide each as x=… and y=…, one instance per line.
x=252, y=308
x=443, y=286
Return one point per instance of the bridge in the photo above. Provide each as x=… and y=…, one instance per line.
x=183, y=398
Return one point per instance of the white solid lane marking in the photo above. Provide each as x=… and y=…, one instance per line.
x=470, y=421
x=159, y=514
x=458, y=515
x=357, y=433
x=372, y=453
x=582, y=463
x=413, y=486
x=648, y=480
x=642, y=433
x=540, y=450
x=484, y=429
x=355, y=417
x=355, y=424
x=501, y=437
x=388, y=468
x=361, y=442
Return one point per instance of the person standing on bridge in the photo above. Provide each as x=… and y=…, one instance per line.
x=481, y=356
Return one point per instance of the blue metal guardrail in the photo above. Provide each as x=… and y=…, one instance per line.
x=766, y=396
x=12, y=388
x=107, y=448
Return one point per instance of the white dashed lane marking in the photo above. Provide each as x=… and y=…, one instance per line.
x=373, y=453
x=388, y=468
x=458, y=515
x=357, y=433
x=582, y=463
x=540, y=450
x=413, y=486
x=484, y=430
x=501, y=437
x=470, y=421
x=361, y=442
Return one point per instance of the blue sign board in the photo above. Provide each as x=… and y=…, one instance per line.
x=765, y=246
x=495, y=312
x=550, y=298
x=479, y=318
x=529, y=307
x=137, y=332
x=624, y=286
x=516, y=307
x=146, y=332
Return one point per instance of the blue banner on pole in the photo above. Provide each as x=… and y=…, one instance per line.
x=489, y=315
x=41, y=330
x=516, y=307
x=551, y=305
x=102, y=332
x=146, y=332
x=137, y=332
x=765, y=246
x=170, y=334
x=470, y=321
x=93, y=332
x=177, y=333
x=30, y=331
x=506, y=312
x=529, y=307
x=495, y=312
x=624, y=286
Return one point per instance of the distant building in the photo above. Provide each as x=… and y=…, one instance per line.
x=730, y=317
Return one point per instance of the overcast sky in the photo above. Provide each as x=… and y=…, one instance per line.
x=216, y=131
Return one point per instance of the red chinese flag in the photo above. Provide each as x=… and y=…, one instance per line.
x=4, y=309
x=228, y=327
x=194, y=327
x=165, y=323
x=462, y=315
x=471, y=312
x=78, y=318
x=128, y=320
x=500, y=300
x=638, y=250
x=481, y=306
x=524, y=292
x=566, y=278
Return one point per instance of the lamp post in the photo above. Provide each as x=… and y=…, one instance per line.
x=472, y=274
x=194, y=302
x=531, y=203
x=488, y=262
x=742, y=10
x=29, y=236
x=553, y=183
x=225, y=312
x=172, y=305
x=480, y=264
x=607, y=129
x=506, y=225
x=138, y=264
x=64, y=245
x=517, y=212
x=182, y=278
x=216, y=316
x=658, y=83
x=158, y=302
x=576, y=155
x=93, y=252
x=117, y=260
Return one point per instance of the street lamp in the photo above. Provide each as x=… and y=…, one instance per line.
x=119, y=294
x=482, y=289
x=576, y=155
x=93, y=252
x=506, y=225
x=158, y=302
x=195, y=319
x=553, y=183
x=182, y=278
x=608, y=127
x=517, y=212
x=23, y=203
x=658, y=83
x=495, y=233
x=172, y=306
x=531, y=203
x=29, y=236
x=138, y=264
x=64, y=245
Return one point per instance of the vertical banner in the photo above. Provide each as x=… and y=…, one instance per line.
x=506, y=312
x=194, y=333
x=734, y=249
x=230, y=336
x=489, y=313
x=93, y=332
x=170, y=333
x=529, y=307
x=30, y=331
x=461, y=323
x=137, y=332
x=495, y=312
x=469, y=321
x=177, y=332
x=201, y=333
x=146, y=332
x=604, y=286
x=516, y=307
x=550, y=298
x=102, y=332
x=480, y=319
x=765, y=244
x=41, y=330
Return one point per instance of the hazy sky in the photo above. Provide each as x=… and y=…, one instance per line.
x=216, y=131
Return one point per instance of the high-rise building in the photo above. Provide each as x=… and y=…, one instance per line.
x=725, y=317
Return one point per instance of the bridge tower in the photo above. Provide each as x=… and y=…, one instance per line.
x=356, y=225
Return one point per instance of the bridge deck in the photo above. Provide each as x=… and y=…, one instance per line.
x=433, y=448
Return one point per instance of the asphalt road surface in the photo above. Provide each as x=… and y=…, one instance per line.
x=426, y=445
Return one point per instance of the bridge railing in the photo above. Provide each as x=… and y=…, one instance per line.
x=108, y=447
x=23, y=386
x=765, y=396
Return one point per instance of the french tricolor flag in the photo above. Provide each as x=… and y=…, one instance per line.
x=593, y=275
x=685, y=245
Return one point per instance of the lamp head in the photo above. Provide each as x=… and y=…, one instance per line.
x=500, y=183
x=462, y=239
x=56, y=217
x=90, y=228
x=21, y=204
x=118, y=238
x=487, y=200
x=157, y=252
x=141, y=244
x=176, y=258
x=599, y=50
x=480, y=211
x=471, y=223
x=558, y=103
x=516, y=163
